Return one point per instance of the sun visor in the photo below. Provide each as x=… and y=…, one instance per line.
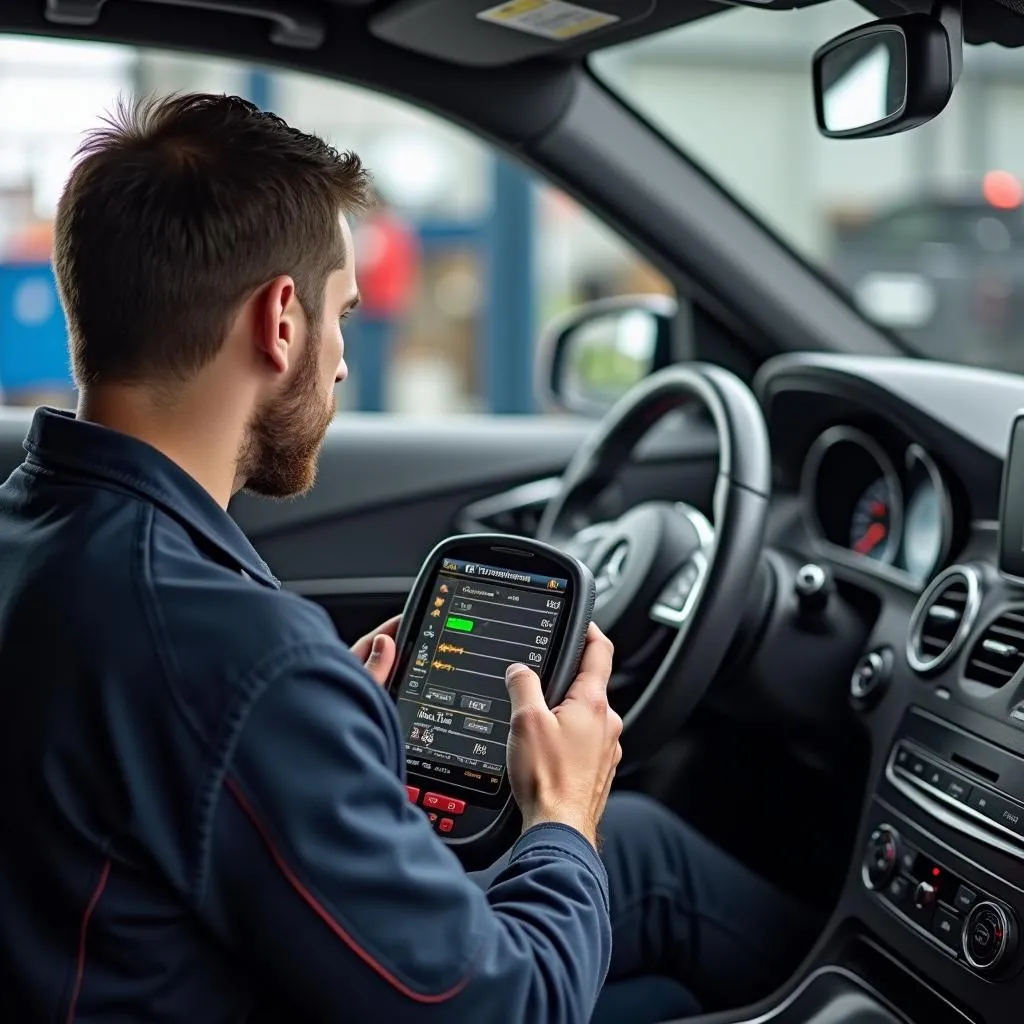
x=482, y=33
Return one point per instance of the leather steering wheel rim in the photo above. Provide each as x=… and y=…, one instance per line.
x=740, y=506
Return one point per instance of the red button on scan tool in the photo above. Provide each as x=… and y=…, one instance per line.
x=446, y=804
x=413, y=793
x=446, y=825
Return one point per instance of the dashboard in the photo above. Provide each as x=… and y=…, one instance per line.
x=888, y=475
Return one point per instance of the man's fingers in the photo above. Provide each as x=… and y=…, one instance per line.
x=382, y=658
x=364, y=645
x=591, y=682
x=524, y=689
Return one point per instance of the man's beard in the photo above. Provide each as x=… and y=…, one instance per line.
x=279, y=457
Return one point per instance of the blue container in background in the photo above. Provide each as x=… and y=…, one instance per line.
x=33, y=334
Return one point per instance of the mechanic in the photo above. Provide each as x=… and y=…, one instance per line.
x=204, y=810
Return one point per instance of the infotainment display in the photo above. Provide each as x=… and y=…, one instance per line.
x=1011, y=517
x=477, y=619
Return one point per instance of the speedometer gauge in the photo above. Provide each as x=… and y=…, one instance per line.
x=852, y=495
x=871, y=524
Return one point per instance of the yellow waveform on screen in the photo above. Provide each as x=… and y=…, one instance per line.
x=442, y=666
x=450, y=649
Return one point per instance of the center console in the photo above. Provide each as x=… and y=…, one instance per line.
x=929, y=923
x=976, y=789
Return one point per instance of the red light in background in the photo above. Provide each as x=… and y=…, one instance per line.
x=1002, y=190
x=936, y=872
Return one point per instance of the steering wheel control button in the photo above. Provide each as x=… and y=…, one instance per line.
x=812, y=587
x=413, y=793
x=444, y=804
x=989, y=936
x=676, y=599
x=881, y=858
x=446, y=825
x=871, y=676
x=947, y=928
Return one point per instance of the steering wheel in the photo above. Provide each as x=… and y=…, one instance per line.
x=662, y=565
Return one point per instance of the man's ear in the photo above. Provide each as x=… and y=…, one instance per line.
x=279, y=321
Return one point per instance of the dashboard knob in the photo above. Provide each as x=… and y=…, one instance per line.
x=871, y=675
x=989, y=936
x=924, y=895
x=881, y=858
x=812, y=587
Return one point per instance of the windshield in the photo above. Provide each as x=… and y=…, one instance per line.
x=924, y=231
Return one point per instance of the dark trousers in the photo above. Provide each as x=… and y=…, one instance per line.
x=692, y=928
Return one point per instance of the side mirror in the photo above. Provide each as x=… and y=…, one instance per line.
x=888, y=76
x=591, y=357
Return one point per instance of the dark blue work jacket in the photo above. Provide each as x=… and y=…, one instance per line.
x=202, y=803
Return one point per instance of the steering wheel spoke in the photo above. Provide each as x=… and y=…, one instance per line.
x=674, y=605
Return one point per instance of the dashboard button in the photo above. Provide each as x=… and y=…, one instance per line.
x=917, y=766
x=446, y=825
x=936, y=777
x=445, y=804
x=899, y=891
x=902, y=758
x=958, y=789
x=965, y=898
x=946, y=927
x=980, y=800
x=413, y=793
x=871, y=675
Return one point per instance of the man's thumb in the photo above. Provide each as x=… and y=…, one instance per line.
x=523, y=687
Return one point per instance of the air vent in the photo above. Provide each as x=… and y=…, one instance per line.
x=942, y=619
x=998, y=654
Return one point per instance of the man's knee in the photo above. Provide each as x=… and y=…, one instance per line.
x=630, y=813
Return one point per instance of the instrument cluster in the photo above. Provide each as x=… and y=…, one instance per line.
x=892, y=510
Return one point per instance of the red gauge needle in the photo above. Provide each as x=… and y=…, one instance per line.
x=873, y=536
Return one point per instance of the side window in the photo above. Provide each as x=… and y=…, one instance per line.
x=459, y=268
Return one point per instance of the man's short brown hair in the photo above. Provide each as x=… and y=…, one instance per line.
x=178, y=209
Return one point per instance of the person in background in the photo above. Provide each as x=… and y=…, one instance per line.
x=388, y=250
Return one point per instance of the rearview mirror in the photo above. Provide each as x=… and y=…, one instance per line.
x=888, y=76
x=590, y=358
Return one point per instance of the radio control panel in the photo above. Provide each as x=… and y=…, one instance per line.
x=962, y=780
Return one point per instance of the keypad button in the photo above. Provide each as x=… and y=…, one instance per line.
x=444, y=804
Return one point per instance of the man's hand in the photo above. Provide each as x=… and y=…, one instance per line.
x=562, y=761
x=377, y=650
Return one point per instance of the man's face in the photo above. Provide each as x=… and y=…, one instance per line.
x=280, y=455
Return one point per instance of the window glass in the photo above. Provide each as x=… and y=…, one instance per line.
x=460, y=267
x=924, y=231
